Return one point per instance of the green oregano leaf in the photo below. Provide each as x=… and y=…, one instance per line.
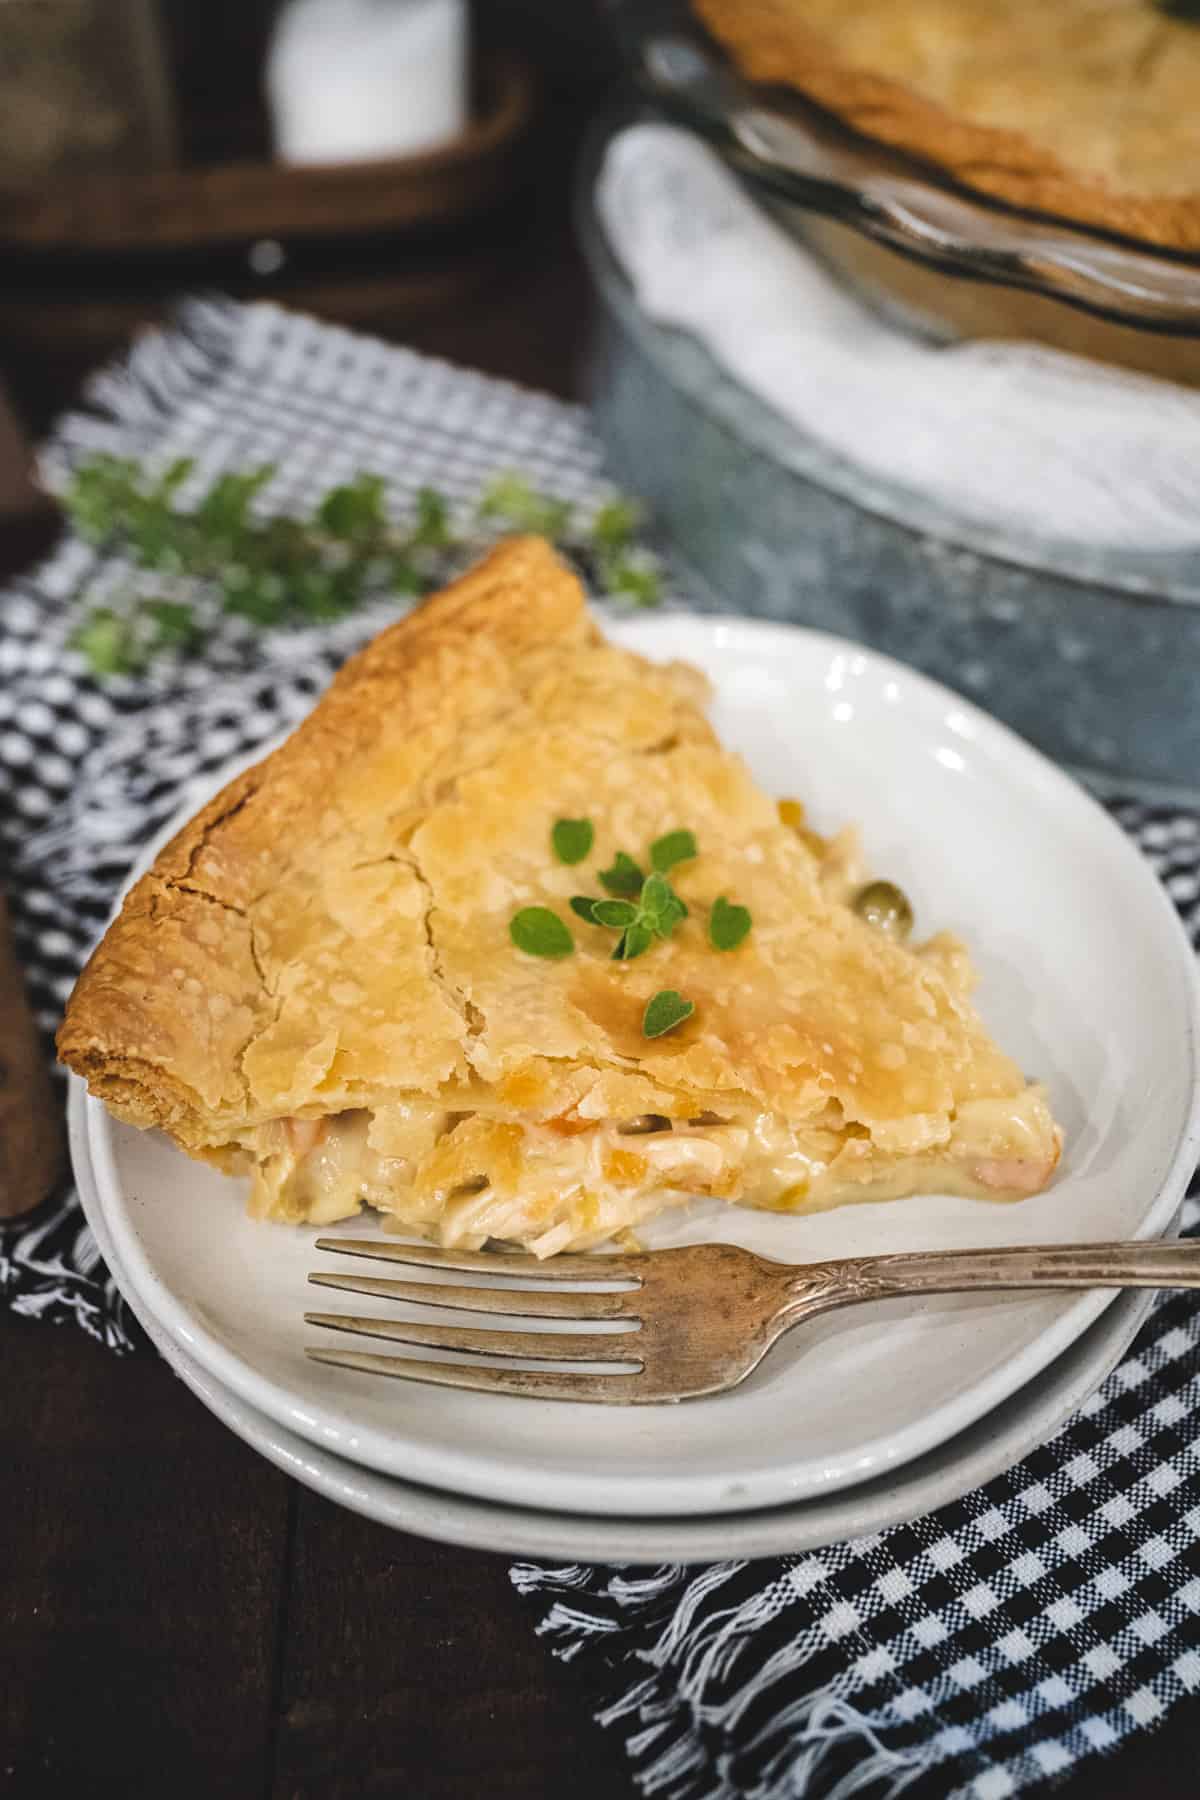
x=624, y=878
x=635, y=940
x=661, y=906
x=616, y=914
x=727, y=924
x=174, y=624
x=401, y=573
x=354, y=511
x=106, y=640
x=540, y=932
x=175, y=474
x=585, y=907
x=572, y=839
x=674, y=847
x=656, y=897
x=225, y=509
x=631, y=579
x=614, y=525
x=665, y=1011
x=432, y=529
x=511, y=499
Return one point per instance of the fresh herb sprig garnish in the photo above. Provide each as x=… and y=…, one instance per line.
x=643, y=907
x=640, y=908
x=659, y=910
x=654, y=914
x=279, y=569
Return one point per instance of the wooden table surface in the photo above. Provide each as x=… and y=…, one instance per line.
x=178, y=1618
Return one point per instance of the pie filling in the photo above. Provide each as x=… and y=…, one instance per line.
x=465, y=1179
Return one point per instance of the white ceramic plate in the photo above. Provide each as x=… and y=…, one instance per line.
x=1086, y=976
x=974, y=1456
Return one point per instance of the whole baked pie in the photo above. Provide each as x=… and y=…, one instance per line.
x=503, y=943
x=1087, y=109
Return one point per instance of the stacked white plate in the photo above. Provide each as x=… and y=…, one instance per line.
x=860, y=1419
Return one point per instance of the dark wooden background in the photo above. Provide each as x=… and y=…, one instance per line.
x=58, y=319
x=177, y=1617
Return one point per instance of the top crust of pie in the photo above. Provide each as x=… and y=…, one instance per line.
x=331, y=932
x=1086, y=109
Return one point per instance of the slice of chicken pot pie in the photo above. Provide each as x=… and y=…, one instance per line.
x=503, y=943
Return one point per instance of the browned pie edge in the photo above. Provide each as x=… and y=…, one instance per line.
x=769, y=43
x=116, y=1033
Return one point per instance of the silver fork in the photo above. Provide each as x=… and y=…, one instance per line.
x=694, y=1320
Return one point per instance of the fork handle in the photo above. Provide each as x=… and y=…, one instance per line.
x=1174, y=1263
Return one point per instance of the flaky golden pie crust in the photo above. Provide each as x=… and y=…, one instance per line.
x=1086, y=109
x=328, y=940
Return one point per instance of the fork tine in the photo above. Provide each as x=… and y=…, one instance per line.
x=546, y=1346
x=538, y=1384
x=523, y=1302
x=490, y=1262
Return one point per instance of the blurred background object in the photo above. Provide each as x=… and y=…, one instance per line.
x=349, y=80
x=28, y=519
x=83, y=84
x=414, y=246
x=829, y=431
x=17, y=489
x=31, y=1135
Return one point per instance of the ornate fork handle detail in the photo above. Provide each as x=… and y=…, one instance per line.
x=1175, y=1263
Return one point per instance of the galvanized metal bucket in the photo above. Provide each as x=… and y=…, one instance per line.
x=1091, y=653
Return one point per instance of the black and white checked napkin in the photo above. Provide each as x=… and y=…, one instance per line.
x=976, y=1652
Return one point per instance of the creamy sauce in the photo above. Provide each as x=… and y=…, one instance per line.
x=573, y=1184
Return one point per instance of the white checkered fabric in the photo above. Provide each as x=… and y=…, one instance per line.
x=978, y=1651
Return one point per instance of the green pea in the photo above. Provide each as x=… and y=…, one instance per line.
x=884, y=905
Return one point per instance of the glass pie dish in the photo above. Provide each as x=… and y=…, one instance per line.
x=950, y=263
x=1090, y=649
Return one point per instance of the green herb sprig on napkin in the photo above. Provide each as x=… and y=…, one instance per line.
x=277, y=569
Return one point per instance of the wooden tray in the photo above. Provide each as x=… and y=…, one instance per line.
x=189, y=208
